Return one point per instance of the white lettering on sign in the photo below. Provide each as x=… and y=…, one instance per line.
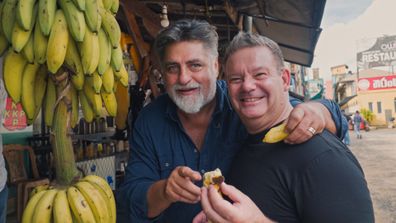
x=384, y=83
x=379, y=56
x=388, y=46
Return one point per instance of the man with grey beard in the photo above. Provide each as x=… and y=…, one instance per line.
x=193, y=129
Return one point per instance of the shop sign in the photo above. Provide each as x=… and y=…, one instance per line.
x=14, y=117
x=377, y=83
x=382, y=53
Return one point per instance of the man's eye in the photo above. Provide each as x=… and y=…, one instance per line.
x=235, y=80
x=260, y=75
x=195, y=66
x=172, y=69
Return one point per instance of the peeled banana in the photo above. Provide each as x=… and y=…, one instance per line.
x=276, y=134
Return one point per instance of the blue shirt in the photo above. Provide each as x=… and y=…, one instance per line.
x=159, y=144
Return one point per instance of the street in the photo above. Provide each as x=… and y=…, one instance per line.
x=376, y=153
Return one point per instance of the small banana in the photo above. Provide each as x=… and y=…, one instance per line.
x=73, y=62
x=46, y=17
x=95, y=81
x=81, y=5
x=28, y=89
x=86, y=107
x=116, y=58
x=108, y=80
x=110, y=103
x=75, y=19
x=14, y=64
x=115, y=6
x=43, y=210
x=62, y=213
x=57, y=43
x=90, y=52
x=40, y=42
x=28, y=50
x=104, y=52
x=24, y=13
x=30, y=207
x=111, y=27
x=50, y=100
x=107, y=4
x=96, y=202
x=8, y=18
x=79, y=206
x=40, y=85
x=94, y=99
x=276, y=134
x=92, y=16
x=20, y=36
x=122, y=76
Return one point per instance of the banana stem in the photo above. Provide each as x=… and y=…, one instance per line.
x=62, y=147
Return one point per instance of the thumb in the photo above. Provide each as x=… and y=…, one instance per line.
x=200, y=218
x=231, y=192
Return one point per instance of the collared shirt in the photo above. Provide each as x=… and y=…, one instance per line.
x=159, y=144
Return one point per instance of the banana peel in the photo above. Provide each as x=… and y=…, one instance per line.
x=276, y=134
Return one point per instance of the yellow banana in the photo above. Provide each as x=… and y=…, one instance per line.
x=92, y=16
x=24, y=13
x=40, y=42
x=62, y=213
x=81, y=5
x=96, y=202
x=115, y=6
x=108, y=80
x=104, y=52
x=89, y=50
x=107, y=4
x=102, y=184
x=43, y=210
x=38, y=189
x=74, y=98
x=276, y=134
x=3, y=43
x=46, y=17
x=14, y=64
x=79, y=206
x=116, y=58
x=20, y=36
x=75, y=19
x=95, y=81
x=8, y=18
x=30, y=207
x=28, y=89
x=111, y=27
x=86, y=107
x=122, y=76
x=73, y=62
x=40, y=85
x=57, y=43
x=28, y=50
x=122, y=97
x=110, y=102
x=93, y=98
x=50, y=100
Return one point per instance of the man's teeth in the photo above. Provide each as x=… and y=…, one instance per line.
x=250, y=99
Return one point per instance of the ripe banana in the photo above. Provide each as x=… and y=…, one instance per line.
x=94, y=99
x=74, y=101
x=14, y=64
x=28, y=89
x=40, y=85
x=8, y=18
x=110, y=102
x=30, y=207
x=115, y=6
x=40, y=42
x=95, y=81
x=111, y=27
x=80, y=4
x=24, y=13
x=104, y=52
x=79, y=206
x=37, y=189
x=116, y=58
x=276, y=134
x=73, y=62
x=3, y=43
x=46, y=17
x=122, y=76
x=102, y=184
x=92, y=16
x=107, y=4
x=96, y=202
x=62, y=213
x=89, y=50
x=43, y=210
x=108, y=80
x=86, y=107
x=57, y=43
x=75, y=19
x=20, y=36
x=28, y=50
x=50, y=100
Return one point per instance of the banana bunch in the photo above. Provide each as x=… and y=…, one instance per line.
x=89, y=200
x=42, y=38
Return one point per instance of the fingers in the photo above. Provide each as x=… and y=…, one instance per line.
x=200, y=218
x=207, y=206
x=180, y=186
x=185, y=171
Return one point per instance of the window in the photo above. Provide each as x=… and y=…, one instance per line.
x=379, y=108
x=371, y=106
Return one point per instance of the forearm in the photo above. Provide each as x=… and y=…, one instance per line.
x=156, y=200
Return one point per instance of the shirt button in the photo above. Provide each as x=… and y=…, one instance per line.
x=195, y=151
x=202, y=171
x=166, y=164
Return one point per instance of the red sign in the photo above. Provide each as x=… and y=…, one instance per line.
x=377, y=83
x=14, y=116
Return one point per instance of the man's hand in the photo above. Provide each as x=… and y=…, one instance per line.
x=306, y=120
x=180, y=186
x=217, y=209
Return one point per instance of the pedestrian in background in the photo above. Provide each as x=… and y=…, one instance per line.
x=357, y=119
x=347, y=139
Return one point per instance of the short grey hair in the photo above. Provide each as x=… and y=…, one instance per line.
x=187, y=30
x=245, y=40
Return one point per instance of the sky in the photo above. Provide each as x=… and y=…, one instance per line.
x=351, y=26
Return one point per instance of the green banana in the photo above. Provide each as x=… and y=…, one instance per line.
x=116, y=58
x=8, y=18
x=111, y=27
x=94, y=99
x=57, y=43
x=79, y=206
x=89, y=50
x=107, y=4
x=108, y=80
x=46, y=17
x=104, y=52
x=110, y=102
x=30, y=207
x=86, y=107
x=40, y=42
x=28, y=89
x=28, y=50
x=49, y=104
x=20, y=36
x=62, y=213
x=80, y=4
x=24, y=13
x=3, y=43
x=14, y=64
x=92, y=16
x=75, y=19
x=43, y=210
x=40, y=85
x=95, y=81
x=115, y=6
x=73, y=62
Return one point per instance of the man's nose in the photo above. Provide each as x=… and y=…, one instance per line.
x=184, y=75
x=248, y=84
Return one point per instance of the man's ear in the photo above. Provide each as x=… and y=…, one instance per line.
x=286, y=79
x=217, y=66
